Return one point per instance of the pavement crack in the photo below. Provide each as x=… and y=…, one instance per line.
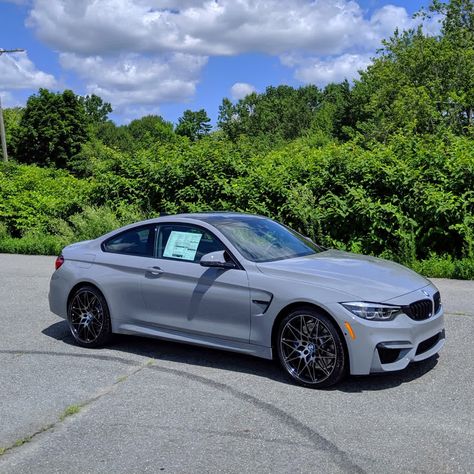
x=74, y=409
x=321, y=443
x=318, y=441
x=458, y=313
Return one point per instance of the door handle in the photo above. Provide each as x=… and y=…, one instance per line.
x=155, y=270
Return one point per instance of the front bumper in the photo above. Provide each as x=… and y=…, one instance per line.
x=385, y=346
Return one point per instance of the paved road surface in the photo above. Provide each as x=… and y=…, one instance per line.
x=147, y=406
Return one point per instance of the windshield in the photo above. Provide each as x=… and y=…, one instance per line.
x=263, y=240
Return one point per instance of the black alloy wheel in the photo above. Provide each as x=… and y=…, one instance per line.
x=310, y=349
x=88, y=317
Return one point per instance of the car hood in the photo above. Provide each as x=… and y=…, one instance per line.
x=367, y=278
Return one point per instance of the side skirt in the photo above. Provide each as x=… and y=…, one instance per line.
x=195, y=339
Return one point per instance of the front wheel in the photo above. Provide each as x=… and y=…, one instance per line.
x=310, y=349
x=88, y=317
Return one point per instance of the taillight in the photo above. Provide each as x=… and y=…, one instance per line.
x=59, y=261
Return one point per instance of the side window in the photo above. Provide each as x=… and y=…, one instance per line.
x=138, y=241
x=185, y=242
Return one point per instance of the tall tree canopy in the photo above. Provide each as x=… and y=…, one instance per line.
x=194, y=125
x=421, y=83
x=52, y=128
x=280, y=111
x=150, y=129
x=96, y=109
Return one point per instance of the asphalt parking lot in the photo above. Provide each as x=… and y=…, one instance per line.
x=144, y=405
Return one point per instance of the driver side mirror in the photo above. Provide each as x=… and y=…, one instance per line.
x=217, y=260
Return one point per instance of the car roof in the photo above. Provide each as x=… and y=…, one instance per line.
x=212, y=216
x=194, y=218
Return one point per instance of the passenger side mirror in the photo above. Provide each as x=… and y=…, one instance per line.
x=217, y=260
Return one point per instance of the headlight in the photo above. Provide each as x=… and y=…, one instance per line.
x=373, y=311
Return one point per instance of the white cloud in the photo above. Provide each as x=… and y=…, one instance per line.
x=333, y=69
x=140, y=53
x=240, y=90
x=8, y=100
x=226, y=27
x=18, y=72
x=132, y=79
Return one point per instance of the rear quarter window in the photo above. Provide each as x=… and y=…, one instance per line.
x=138, y=241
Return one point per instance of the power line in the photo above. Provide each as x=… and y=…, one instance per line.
x=2, y=51
x=2, y=124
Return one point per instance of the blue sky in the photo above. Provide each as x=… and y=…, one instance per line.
x=165, y=56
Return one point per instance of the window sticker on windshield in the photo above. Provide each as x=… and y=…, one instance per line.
x=182, y=245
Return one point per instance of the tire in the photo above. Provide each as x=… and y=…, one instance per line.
x=89, y=318
x=310, y=349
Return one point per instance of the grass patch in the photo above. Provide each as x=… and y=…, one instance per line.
x=22, y=441
x=69, y=411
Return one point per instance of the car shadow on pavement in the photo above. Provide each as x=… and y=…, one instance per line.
x=230, y=361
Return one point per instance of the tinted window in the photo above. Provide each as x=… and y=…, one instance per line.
x=138, y=241
x=184, y=242
x=263, y=240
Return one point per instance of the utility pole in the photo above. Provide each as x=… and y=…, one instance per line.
x=3, y=137
x=2, y=134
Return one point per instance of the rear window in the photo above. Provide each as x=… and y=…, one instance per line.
x=138, y=241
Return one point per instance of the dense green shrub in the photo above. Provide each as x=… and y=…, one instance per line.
x=445, y=267
x=93, y=222
x=384, y=166
x=403, y=200
x=408, y=200
x=88, y=224
x=33, y=198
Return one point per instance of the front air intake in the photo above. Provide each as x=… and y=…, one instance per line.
x=437, y=302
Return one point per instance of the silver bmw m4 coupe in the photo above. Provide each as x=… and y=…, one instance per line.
x=248, y=284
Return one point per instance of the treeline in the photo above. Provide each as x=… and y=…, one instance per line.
x=383, y=166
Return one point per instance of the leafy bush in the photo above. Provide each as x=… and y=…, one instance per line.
x=411, y=200
x=33, y=198
x=32, y=243
x=89, y=224
x=93, y=222
x=445, y=267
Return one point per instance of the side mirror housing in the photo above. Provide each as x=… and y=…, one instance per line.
x=217, y=260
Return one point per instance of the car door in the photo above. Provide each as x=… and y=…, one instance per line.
x=182, y=295
x=120, y=269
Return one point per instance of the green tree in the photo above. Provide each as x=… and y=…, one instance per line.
x=458, y=22
x=421, y=83
x=149, y=130
x=458, y=34
x=117, y=137
x=53, y=128
x=281, y=111
x=228, y=120
x=194, y=125
x=334, y=115
x=97, y=111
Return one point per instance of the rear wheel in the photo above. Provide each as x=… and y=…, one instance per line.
x=310, y=349
x=89, y=318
